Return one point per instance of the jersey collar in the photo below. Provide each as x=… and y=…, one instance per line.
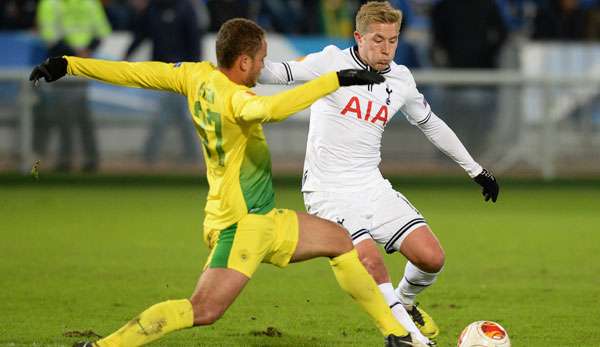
x=356, y=57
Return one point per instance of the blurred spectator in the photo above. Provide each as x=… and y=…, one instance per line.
x=223, y=10
x=593, y=23
x=517, y=13
x=69, y=27
x=468, y=34
x=415, y=13
x=337, y=17
x=310, y=24
x=560, y=20
x=172, y=27
x=119, y=14
x=282, y=16
x=17, y=14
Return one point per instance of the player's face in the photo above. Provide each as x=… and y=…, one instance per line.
x=258, y=62
x=377, y=46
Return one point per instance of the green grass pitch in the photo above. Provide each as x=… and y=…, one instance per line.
x=85, y=256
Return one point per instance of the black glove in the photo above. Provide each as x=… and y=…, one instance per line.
x=353, y=77
x=490, y=187
x=51, y=69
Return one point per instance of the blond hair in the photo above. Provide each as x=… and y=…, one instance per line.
x=376, y=12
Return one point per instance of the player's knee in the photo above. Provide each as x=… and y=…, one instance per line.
x=432, y=261
x=338, y=239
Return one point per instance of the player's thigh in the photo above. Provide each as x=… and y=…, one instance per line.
x=215, y=291
x=319, y=237
x=395, y=218
x=244, y=245
x=286, y=235
x=351, y=210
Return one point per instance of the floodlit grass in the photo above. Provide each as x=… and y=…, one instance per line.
x=84, y=256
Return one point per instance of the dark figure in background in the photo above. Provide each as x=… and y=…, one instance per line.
x=172, y=27
x=223, y=10
x=17, y=14
x=560, y=20
x=69, y=27
x=593, y=23
x=468, y=34
x=119, y=14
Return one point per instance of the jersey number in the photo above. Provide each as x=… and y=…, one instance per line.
x=210, y=117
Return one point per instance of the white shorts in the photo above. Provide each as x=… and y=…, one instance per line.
x=379, y=213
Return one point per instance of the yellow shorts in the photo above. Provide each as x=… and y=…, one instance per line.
x=270, y=238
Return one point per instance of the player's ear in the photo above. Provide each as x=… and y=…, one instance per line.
x=357, y=37
x=244, y=62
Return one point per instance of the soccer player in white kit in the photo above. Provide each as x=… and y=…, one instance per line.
x=341, y=179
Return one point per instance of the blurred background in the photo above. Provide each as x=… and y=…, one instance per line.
x=517, y=80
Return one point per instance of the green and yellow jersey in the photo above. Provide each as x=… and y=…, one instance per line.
x=228, y=118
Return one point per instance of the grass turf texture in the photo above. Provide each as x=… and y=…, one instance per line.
x=85, y=255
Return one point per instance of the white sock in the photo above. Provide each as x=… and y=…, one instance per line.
x=414, y=281
x=400, y=313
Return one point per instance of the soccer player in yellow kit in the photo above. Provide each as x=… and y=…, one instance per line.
x=242, y=227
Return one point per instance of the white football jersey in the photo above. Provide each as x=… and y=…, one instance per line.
x=346, y=127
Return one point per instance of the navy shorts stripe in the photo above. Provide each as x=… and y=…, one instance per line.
x=359, y=233
x=388, y=246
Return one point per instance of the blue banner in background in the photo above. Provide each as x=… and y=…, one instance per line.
x=20, y=49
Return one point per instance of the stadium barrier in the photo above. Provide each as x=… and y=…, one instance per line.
x=564, y=140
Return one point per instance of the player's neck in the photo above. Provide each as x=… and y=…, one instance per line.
x=235, y=75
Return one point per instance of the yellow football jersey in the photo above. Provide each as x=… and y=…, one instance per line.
x=227, y=117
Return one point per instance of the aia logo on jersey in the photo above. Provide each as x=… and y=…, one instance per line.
x=354, y=106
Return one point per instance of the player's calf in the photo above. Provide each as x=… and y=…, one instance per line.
x=372, y=260
x=217, y=289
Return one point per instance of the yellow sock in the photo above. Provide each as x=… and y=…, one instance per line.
x=152, y=324
x=356, y=281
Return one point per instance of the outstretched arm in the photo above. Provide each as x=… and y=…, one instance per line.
x=446, y=140
x=249, y=107
x=148, y=75
x=418, y=112
x=299, y=70
x=440, y=134
x=276, y=73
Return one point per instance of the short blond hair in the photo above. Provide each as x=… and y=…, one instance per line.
x=376, y=12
